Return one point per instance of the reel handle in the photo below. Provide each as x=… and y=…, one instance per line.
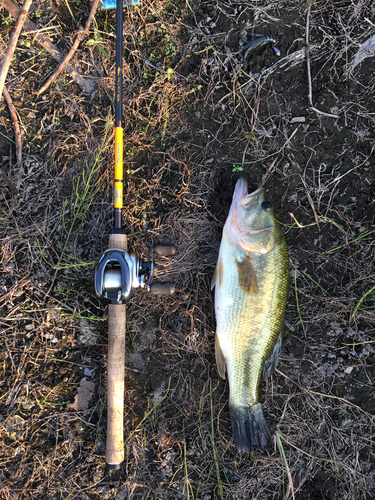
x=159, y=288
x=165, y=250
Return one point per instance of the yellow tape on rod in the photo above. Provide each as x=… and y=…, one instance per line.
x=119, y=170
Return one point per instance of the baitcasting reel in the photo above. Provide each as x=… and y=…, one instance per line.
x=118, y=273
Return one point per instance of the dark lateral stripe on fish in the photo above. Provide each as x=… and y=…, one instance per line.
x=249, y=427
x=246, y=276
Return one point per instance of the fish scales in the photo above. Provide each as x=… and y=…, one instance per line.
x=251, y=281
x=248, y=331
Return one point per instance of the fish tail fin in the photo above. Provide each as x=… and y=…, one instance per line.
x=249, y=427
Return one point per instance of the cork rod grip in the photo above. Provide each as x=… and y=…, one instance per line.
x=116, y=366
x=116, y=375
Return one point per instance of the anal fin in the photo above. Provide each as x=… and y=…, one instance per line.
x=220, y=360
x=218, y=274
x=270, y=362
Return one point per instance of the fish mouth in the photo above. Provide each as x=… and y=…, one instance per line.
x=235, y=226
x=248, y=200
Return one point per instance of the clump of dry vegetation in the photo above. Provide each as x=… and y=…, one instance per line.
x=195, y=120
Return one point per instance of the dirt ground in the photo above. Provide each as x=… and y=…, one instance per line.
x=301, y=124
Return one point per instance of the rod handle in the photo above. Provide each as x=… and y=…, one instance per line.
x=159, y=288
x=116, y=372
x=165, y=250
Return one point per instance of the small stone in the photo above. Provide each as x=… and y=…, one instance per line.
x=27, y=405
x=89, y=372
x=88, y=335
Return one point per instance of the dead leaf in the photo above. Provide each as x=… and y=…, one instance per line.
x=84, y=395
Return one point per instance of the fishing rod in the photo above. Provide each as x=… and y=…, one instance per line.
x=118, y=272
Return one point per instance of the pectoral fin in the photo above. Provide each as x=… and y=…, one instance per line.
x=270, y=362
x=218, y=274
x=246, y=276
x=220, y=361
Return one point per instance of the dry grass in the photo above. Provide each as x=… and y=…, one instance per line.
x=189, y=133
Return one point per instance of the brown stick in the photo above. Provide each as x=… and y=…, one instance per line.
x=116, y=375
x=12, y=44
x=86, y=85
x=14, y=288
x=81, y=35
x=16, y=127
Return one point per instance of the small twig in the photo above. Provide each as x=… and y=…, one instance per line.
x=80, y=36
x=310, y=200
x=86, y=85
x=331, y=115
x=309, y=70
x=308, y=55
x=370, y=22
x=14, y=288
x=12, y=44
x=16, y=128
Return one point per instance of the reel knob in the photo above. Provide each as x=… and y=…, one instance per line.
x=165, y=250
x=159, y=288
x=167, y=287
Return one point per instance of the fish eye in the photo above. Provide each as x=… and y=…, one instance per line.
x=266, y=205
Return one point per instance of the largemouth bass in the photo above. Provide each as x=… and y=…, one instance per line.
x=251, y=280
